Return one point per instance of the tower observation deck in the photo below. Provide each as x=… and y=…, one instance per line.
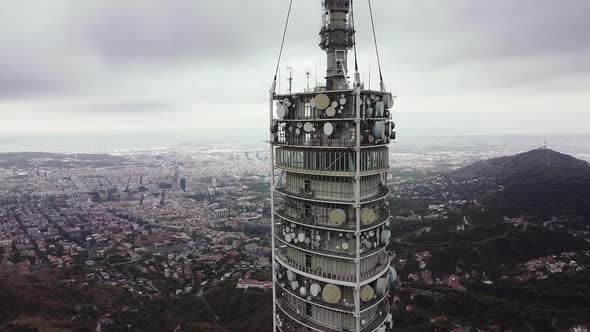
x=330, y=161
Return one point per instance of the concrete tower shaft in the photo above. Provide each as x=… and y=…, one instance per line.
x=337, y=37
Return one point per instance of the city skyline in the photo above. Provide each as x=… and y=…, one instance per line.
x=492, y=69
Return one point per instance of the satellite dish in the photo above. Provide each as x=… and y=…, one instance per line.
x=274, y=138
x=294, y=284
x=345, y=246
x=367, y=293
x=381, y=286
x=385, y=236
x=287, y=229
x=328, y=129
x=379, y=109
x=389, y=317
x=334, y=104
x=393, y=135
x=379, y=129
x=288, y=237
x=349, y=236
x=308, y=127
x=388, y=100
x=337, y=217
x=282, y=111
x=297, y=131
x=392, y=274
x=371, y=233
x=331, y=294
x=367, y=216
x=301, y=237
x=342, y=101
x=274, y=128
x=368, y=244
x=321, y=101
x=318, y=238
x=303, y=291
x=371, y=139
x=307, y=240
x=291, y=275
x=330, y=112
x=315, y=289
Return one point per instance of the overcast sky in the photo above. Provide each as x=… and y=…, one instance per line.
x=457, y=66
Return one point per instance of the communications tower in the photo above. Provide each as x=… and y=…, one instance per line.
x=330, y=160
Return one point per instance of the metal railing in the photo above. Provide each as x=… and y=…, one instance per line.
x=383, y=263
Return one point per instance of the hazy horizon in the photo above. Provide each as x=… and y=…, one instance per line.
x=122, y=141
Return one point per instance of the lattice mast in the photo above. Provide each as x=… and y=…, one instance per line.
x=337, y=38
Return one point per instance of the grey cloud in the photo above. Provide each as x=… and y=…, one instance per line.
x=130, y=107
x=180, y=30
x=107, y=56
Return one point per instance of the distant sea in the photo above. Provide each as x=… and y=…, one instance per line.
x=137, y=141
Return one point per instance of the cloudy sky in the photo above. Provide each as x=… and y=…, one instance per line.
x=457, y=66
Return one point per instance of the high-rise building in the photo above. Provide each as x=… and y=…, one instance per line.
x=330, y=161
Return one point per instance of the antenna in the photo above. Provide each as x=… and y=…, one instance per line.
x=307, y=76
x=316, y=75
x=290, y=79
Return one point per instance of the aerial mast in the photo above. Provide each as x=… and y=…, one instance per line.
x=337, y=37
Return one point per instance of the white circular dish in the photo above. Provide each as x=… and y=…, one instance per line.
x=301, y=237
x=315, y=289
x=367, y=293
x=291, y=275
x=303, y=291
x=330, y=112
x=328, y=129
x=367, y=216
x=337, y=217
x=282, y=111
x=332, y=294
x=321, y=101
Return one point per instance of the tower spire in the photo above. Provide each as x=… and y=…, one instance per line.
x=337, y=37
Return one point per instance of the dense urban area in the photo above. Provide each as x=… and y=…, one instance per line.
x=178, y=239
